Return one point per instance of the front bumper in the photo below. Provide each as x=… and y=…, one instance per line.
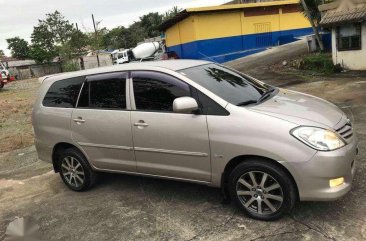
x=312, y=177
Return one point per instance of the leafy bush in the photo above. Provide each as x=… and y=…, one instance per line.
x=320, y=62
x=70, y=66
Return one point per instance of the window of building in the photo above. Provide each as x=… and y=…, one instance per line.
x=157, y=92
x=107, y=91
x=349, y=37
x=64, y=93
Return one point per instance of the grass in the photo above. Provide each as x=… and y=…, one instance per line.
x=16, y=102
x=320, y=63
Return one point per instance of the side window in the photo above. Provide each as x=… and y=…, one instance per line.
x=156, y=91
x=207, y=105
x=107, y=91
x=64, y=93
x=349, y=37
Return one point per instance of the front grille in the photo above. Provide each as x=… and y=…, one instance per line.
x=346, y=131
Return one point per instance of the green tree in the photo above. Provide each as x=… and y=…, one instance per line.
x=61, y=30
x=19, y=47
x=172, y=13
x=122, y=37
x=135, y=34
x=78, y=42
x=75, y=46
x=2, y=54
x=146, y=27
x=96, y=40
x=311, y=11
x=50, y=36
x=44, y=48
x=314, y=12
x=41, y=55
x=150, y=23
x=116, y=38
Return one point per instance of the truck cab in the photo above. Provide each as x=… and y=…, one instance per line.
x=120, y=57
x=4, y=75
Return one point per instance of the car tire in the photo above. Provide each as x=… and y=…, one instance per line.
x=264, y=200
x=1, y=85
x=75, y=170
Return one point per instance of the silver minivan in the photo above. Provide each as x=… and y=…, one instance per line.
x=200, y=122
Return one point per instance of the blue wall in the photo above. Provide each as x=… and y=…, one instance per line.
x=225, y=49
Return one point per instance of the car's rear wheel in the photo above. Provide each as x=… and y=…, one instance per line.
x=75, y=171
x=262, y=190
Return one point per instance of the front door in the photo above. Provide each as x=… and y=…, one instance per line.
x=167, y=143
x=101, y=123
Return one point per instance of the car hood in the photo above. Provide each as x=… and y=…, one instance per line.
x=295, y=107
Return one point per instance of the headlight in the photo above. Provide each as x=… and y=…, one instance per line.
x=318, y=138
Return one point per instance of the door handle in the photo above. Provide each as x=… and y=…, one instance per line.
x=79, y=120
x=141, y=123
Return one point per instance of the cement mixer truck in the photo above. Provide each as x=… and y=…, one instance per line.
x=4, y=75
x=142, y=52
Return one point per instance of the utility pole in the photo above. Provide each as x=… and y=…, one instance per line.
x=96, y=38
x=77, y=27
x=315, y=29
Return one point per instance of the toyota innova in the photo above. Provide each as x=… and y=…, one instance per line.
x=200, y=122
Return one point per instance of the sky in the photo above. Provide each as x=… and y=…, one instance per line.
x=17, y=17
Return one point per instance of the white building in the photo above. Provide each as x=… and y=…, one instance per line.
x=347, y=20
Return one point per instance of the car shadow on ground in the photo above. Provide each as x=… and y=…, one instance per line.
x=155, y=187
x=171, y=192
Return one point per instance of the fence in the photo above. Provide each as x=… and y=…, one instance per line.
x=35, y=71
x=39, y=70
x=91, y=62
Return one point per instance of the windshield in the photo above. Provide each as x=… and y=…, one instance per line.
x=230, y=85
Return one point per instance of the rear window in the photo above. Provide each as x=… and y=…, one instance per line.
x=64, y=93
x=106, y=91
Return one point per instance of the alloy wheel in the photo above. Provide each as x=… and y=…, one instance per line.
x=72, y=171
x=259, y=192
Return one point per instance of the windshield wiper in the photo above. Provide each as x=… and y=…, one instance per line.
x=266, y=94
x=248, y=102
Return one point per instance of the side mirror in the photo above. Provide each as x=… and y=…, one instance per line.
x=185, y=105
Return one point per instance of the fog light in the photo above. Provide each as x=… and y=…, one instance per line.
x=336, y=182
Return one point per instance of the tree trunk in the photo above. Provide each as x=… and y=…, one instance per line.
x=315, y=29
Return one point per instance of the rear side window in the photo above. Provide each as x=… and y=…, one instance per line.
x=64, y=93
x=156, y=91
x=107, y=91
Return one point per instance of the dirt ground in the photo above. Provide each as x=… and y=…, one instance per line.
x=124, y=207
x=16, y=100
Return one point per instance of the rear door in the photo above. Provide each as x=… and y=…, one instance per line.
x=101, y=122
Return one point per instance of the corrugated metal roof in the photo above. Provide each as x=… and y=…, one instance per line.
x=187, y=12
x=241, y=6
x=332, y=18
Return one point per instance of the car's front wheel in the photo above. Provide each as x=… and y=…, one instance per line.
x=75, y=171
x=261, y=189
